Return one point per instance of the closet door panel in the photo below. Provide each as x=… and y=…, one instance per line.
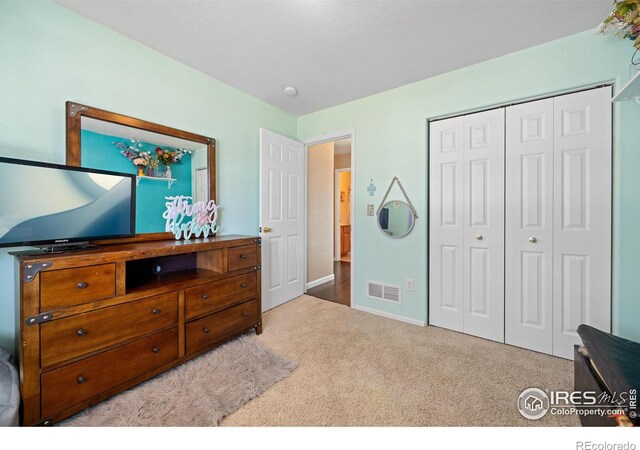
x=446, y=251
x=582, y=228
x=483, y=274
x=529, y=226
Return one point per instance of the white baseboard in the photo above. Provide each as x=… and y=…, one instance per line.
x=320, y=281
x=422, y=323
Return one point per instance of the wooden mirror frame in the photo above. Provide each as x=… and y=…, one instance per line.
x=74, y=114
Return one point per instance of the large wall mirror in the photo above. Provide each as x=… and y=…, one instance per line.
x=167, y=161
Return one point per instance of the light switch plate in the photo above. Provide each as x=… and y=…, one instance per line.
x=408, y=284
x=370, y=210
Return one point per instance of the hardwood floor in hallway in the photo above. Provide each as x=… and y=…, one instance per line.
x=338, y=290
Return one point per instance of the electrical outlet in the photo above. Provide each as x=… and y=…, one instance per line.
x=408, y=284
x=370, y=210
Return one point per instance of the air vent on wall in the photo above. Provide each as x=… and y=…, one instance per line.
x=386, y=292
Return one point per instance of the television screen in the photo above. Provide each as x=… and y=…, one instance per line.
x=48, y=204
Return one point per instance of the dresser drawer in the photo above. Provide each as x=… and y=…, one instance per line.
x=219, y=294
x=73, y=336
x=241, y=257
x=67, y=287
x=210, y=329
x=74, y=383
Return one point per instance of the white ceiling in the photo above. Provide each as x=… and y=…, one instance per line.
x=335, y=51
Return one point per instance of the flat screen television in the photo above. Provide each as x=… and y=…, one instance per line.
x=51, y=205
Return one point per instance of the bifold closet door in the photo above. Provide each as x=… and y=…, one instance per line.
x=582, y=219
x=558, y=220
x=466, y=256
x=529, y=226
x=484, y=225
x=446, y=247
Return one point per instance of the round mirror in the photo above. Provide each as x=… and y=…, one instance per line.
x=396, y=219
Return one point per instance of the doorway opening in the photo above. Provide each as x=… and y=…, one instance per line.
x=329, y=220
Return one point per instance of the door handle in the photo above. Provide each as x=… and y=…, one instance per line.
x=533, y=240
x=479, y=237
x=266, y=229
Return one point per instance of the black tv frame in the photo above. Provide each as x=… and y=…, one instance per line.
x=64, y=243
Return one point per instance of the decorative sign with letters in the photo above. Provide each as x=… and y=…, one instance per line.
x=184, y=218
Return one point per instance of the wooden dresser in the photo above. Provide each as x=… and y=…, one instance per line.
x=96, y=322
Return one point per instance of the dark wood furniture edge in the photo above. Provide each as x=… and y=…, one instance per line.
x=139, y=250
x=258, y=326
x=29, y=350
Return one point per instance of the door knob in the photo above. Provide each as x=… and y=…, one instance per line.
x=266, y=229
x=533, y=240
x=479, y=237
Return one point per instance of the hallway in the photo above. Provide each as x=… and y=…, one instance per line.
x=338, y=290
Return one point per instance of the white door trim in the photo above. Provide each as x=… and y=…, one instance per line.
x=345, y=134
x=336, y=213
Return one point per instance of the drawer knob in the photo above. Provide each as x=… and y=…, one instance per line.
x=206, y=330
x=82, y=285
x=155, y=349
x=243, y=256
x=243, y=285
x=245, y=314
x=81, y=332
x=82, y=379
x=155, y=311
x=205, y=296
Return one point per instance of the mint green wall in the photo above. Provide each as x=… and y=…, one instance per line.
x=49, y=55
x=391, y=140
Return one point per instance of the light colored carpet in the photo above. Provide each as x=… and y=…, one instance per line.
x=198, y=393
x=357, y=369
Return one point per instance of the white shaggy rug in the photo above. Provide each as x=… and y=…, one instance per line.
x=198, y=393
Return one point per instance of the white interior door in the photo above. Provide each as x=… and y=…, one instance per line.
x=466, y=224
x=529, y=225
x=582, y=218
x=483, y=231
x=446, y=247
x=282, y=163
